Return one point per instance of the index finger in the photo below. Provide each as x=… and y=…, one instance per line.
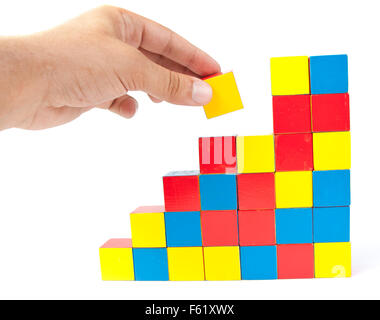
x=163, y=41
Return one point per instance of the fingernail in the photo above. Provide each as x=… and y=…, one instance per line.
x=202, y=92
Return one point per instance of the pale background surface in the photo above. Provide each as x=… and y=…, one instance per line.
x=65, y=191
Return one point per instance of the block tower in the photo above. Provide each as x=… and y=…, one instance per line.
x=260, y=207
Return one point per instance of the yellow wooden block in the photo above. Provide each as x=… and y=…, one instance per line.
x=186, y=264
x=290, y=75
x=116, y=260
x=255, y=154
x=148, y=227
x=332, y=260
x=222, y=263
x=226, y=97
x=332, y=150
x=294, y=189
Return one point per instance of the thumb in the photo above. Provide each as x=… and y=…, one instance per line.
x=168, y=85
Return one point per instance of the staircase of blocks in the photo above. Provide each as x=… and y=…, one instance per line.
x=260, y=207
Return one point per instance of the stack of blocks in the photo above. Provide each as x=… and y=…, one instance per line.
x=261, y=207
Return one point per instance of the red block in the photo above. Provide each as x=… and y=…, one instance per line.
x=219, y=228
x=294, y=152
x=181, y=192
x=256, y=191
x=257, y=228
x=331, y=112
x=295, y=261
x=217, y=155
x=291, y=114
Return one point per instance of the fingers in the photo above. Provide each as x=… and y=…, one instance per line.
x=136, y=72
x=162, y=41
x=125, y=106
x=167, y=63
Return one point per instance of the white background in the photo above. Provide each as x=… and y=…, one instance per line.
x=65, y=191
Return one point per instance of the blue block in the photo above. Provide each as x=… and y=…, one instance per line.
x=183, y=229
x=331, y=188
x=258, y=263
x=329, y=74
x=151, y=264
x=294, y=226
x=218, y=192
x=332, y=224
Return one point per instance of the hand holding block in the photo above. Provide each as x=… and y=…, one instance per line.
x=116, y=260
x=226, y=97
x=148, y=227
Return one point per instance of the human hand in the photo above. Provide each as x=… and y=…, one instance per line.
x=51, y=78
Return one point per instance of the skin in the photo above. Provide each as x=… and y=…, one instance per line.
x=51, y=78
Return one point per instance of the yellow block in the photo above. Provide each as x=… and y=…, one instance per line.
x=148, y=230
x=116, y=261
x=222, y=263
x=226, y=97
x=332, y=260
x=332, y=150
x=290, y=75
x=255, y=154
x=186, y=264
x=294, y=189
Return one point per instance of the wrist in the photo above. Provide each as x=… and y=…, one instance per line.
x=22, y=85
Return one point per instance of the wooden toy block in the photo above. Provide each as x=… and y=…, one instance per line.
x=222, y=263
x=148, y=227
x=186, y=264
x=294, y=152
x=331, y=224
x=332, y=150
x=290, y=76
x=217, y=155
x=220, y=228
x=225, y=95
x=116, y=260
x=333, y=260
x=257, y=228
x=291, y=114
x=329, y=74
x=330, y=112
x=218, y=192
x=295, y=261
x=294, y=189
x=256, y=191
x=294, y=226
x=258, y=263
x=255, y=154
x=181, y=191
x=151, y=264
x=331, y=188
x=183, y=229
